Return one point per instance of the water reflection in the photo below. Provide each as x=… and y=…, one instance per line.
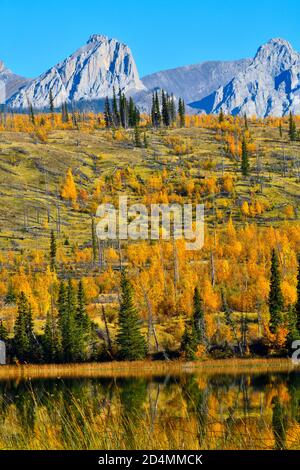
x=183, y=412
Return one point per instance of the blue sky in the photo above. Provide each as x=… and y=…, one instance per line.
x=162, y=34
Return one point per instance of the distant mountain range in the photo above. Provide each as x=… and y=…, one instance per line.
x=267, y=85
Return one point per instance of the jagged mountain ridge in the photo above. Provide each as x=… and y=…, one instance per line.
x=89, y=74
x=270, y=85
x=10, y=83
x=193, y=82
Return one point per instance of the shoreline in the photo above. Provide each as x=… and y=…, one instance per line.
x=145, y=368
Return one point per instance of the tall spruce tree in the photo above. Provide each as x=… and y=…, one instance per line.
x=25, y=346
x=195, y=331
x=165, y=109
x=245, y=159
x=181, y=112
x=130, y=341
x=51, y=102
x=107, y=114
x=66, y=321
x=51, y=343
x=275, y=300
x=221, y=116
x=115, y=110
x=292, y=128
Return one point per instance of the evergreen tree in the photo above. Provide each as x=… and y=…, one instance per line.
x=198, y=317
x=221, y=116
x=137, y=137
x=172, y=109
x=165, y=110
x=280, y=130
x=130, y=341
x=51, y=102
x=31, y=114
x=10, y=297
x=292, y=128
x=52, y=252
x=51, y=345
x=195, y=333
x=155, y=111
x=3, y=332
x=107, y=114
x=115, y=110
x=275, y=301
x=245, y=159
x=66, y=320
x=82, y=319
x=246, y=122
x=25, y=346
x=181, y=112
x=64, y=113
x=145, y=140
x=123, y=110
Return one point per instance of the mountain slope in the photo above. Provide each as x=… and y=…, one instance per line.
x=9, y=83
x=89, y=74
x=270, y=85
x=194, y=82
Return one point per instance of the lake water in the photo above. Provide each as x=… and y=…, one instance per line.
x=247, y=411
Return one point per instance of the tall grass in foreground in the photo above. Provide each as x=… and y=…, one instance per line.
x=181, y=412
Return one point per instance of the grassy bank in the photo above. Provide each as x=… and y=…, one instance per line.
x=145, y=368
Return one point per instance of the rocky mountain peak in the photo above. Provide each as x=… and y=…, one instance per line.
x=276, y=53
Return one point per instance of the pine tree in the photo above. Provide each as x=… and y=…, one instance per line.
x=10, y=297
x=66, y=321
x=246, y=122
x=64, y=112
x=145, y=141
x=115, y=110
x=51, y=102
x=245, y=159
x=172, y=109
x=51, y=345
x=195, y=333
x=107, y=114
x=155, y=112
x=52, y=252
x=25, y=346
x=82, y=319
x=31, y=114
x=198, y=317
x=130, y=341
x=3, y=332
x=165, y=110
x=181, y=112
x=137, y=137
x=221, y=116
x=280, y=130
x=292, y=129
x=275, y=301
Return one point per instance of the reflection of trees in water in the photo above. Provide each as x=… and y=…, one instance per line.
x=239, y=405
x=197, y=404
x=279, y=423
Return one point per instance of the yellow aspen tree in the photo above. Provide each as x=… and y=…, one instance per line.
x=69, y=191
